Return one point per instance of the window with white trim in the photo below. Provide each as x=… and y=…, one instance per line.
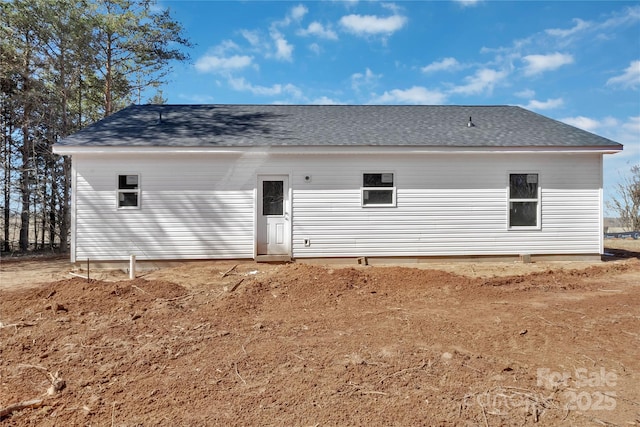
x=378, y=190
x=128, y=191
x=524, y=200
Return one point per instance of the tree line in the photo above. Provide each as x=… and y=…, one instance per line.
x=65, y=64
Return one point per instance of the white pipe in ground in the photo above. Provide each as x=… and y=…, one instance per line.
x=132, y=267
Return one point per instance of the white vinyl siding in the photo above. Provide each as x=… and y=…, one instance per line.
x=192, y=209
x=448, y=204
x=199, y=206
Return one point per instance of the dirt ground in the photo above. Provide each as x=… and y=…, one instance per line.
x=220, y=343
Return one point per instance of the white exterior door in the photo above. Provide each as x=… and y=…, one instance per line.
x=274, y=229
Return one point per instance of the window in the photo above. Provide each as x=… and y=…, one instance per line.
x=378, y=189
x=128, y=191
x=524, y=200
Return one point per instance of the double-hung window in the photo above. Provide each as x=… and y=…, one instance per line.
x=524, y=201
x=128, y=194
x=378, y=190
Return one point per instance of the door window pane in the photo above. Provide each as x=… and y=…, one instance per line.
x=272, y=198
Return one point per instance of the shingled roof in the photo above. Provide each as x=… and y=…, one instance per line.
x=331, y=125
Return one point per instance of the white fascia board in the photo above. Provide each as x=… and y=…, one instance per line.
x=309, y=150
x=71, y=150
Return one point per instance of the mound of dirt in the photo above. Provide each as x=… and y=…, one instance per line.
x=219, y=344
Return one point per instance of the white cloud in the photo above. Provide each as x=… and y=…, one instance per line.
x=633, y=127
x=251, y=36
x=219, y=60
x=630, y=15
x=212, y=63
x=589, y=124
x=630, y=79
x=197, y=98
x=318, y=30
x=560, y=42
x=368, y=25
x=240, y=84
x=582, y=122
x=368, y=79
x=549, y=104
x=413, y=95
x=349, y=4
x=579, y=26
x=526, y=93
x=315, y=48
x=603, y=29
x=484, y=80
x=323, y=100
x=509, y=51
x=443, y=65
x=284, y=50
x=580, y=31
x=298, y=12
x=538, y=64
x=224, y=47
x=629, y=134
x=626, y=132
x=295, y=14
x=467, y=3
x=275, y=46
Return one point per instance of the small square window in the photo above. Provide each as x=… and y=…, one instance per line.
x=128, y=191
x=378, y=190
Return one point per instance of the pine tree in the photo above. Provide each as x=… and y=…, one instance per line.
x=135, y=48
x=63, y=65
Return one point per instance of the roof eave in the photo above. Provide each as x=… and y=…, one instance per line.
x=325, y=149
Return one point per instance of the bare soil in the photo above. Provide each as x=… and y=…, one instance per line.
x=219, y=343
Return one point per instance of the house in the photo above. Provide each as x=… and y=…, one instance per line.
x=167, y=182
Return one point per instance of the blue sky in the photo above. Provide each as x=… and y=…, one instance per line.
x=574, y=61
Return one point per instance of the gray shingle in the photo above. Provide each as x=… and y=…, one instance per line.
x=331, y=125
